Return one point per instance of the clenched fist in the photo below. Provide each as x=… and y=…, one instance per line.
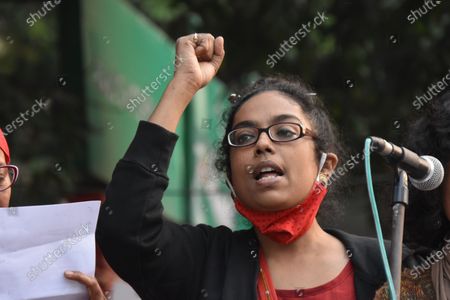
x=198, y=58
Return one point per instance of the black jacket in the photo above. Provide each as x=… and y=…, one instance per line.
x=162, y=260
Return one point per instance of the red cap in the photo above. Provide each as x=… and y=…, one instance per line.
x=4, y=146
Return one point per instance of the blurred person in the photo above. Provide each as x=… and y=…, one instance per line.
x=277, y=153
x=427, y=218
x=8, y=173
x=8, y=176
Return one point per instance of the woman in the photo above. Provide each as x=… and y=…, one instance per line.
x=427, y=226
x=279, y=129
x=429, y=212
x=8, y=173
x=8, y=176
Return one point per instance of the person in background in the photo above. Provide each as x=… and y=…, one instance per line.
x=427, y=222
x=8, y=173
x=8, y=176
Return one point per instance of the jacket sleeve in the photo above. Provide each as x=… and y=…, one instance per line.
x=155, y=256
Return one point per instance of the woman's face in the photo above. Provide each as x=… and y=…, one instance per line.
x=296, y=159
x=4, y=195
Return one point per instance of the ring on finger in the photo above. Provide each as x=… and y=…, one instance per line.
x=195, y=38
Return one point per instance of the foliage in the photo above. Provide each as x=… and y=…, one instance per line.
x=367, y=61
x=47, y=148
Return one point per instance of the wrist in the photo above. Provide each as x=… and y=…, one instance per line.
x=173, y=103
x=185, y=85
x=178, y=94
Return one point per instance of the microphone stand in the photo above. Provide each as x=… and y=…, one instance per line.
x=400, y=201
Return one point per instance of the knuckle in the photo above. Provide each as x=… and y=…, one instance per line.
x=182, y=41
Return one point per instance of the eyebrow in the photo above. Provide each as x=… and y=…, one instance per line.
x=279, y=118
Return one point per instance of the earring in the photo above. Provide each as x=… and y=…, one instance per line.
x=323, y=179
x=233, y=98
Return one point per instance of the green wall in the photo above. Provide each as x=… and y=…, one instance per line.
x=123, y=53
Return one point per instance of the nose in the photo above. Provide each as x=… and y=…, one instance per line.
x=263, y=144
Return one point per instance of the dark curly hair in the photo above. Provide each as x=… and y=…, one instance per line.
x=426, y=223
x=326, y=139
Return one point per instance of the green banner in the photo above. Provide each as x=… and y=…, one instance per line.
x=128, y=63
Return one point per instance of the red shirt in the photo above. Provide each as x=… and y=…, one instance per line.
x=341, y=287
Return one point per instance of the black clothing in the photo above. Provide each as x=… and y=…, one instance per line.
x=162, y=260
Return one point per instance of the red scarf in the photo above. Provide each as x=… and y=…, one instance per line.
x=265, y=288
x=286, y=225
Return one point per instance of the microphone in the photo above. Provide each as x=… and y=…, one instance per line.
x=426, y=172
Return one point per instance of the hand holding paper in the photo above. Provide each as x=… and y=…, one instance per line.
x=39, y=243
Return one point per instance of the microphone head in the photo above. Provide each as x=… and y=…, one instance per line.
x=434, y=177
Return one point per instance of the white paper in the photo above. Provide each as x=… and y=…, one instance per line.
x=39, y=243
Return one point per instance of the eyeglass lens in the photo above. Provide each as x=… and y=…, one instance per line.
x=7, y=176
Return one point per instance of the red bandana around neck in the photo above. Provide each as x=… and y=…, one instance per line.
x=286, y=225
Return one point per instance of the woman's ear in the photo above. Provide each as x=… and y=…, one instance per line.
x=330, y=164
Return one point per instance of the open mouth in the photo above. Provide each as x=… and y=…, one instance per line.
x=267, y=170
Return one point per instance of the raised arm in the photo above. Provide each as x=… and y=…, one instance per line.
x=156, y=257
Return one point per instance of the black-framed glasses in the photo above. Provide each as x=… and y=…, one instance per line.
x=8, y=176
x=280, y=132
